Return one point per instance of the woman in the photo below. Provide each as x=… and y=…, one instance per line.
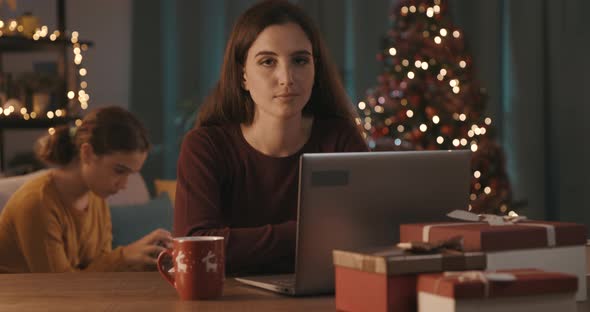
x=59, y=221
x=278, y=97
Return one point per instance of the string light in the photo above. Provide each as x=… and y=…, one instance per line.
x=476, y=174
x=423, y=127
x=430, y=12
x=437, y=40
x=362, y=105
x=400, y=128
x=443, y=32
x=440, y=140
x=77, y=49
x=488, y=121
x=392, y=51
x=435, y=119
x=456, y=34
x=462, y=64
x=410, y=113
x=411, y=75
x=413, y=9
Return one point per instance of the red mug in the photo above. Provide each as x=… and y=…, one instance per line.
x=199, y=266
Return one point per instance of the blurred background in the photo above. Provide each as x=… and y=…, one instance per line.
x=159, y=59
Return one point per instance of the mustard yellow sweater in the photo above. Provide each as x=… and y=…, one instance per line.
x=39, y=234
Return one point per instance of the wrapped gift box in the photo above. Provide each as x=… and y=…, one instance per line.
x=551, y=246
x=384, y=279
x=511, y=290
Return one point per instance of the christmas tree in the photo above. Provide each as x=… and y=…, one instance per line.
x=427, y=98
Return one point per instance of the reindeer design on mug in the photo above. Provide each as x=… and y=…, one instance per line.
x=180, y=265
x=210, y=262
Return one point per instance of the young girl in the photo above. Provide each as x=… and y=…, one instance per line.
x=59, y=221
x=278, y=96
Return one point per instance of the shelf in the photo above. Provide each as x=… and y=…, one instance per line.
x=38, y=123
x=22, y=44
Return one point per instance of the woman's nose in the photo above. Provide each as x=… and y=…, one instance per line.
x=285, y=75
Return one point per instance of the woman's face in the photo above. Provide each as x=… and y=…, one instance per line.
x=279, y=71
x=107, y=174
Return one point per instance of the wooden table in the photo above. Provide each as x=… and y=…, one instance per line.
x=140, y=292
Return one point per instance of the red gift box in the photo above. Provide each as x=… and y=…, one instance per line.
x=481, y=236
x=551, y=246
x=384, y=279
x=507, y=290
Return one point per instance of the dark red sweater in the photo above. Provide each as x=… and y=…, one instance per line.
x=227, y=188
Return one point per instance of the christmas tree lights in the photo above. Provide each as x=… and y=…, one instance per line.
x=427, y=98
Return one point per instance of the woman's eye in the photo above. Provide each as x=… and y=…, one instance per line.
x=301, y=61
x=267, y=62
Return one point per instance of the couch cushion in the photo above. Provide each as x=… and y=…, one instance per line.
x=135, y=193
x=166, y=186
x=9, y=185
x=132, y=222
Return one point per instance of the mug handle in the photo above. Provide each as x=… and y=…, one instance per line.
x=167, y=276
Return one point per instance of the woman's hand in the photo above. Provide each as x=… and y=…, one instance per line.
x=145, y=251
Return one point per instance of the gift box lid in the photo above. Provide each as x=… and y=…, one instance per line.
x=505, y=283
x=481, y=236
x=393, y=260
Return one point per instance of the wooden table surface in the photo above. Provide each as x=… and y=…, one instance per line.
x=141, y=292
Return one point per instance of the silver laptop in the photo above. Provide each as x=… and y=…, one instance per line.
x=358, y=200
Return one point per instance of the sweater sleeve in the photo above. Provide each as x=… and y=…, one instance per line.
x=40, y=238
x=107, y=258
x=198, y=209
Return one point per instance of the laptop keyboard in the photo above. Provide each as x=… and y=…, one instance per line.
x=285, y=282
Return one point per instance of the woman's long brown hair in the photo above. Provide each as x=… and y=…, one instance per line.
x=230, y=103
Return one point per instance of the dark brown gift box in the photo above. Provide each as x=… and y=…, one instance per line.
x=384, y=279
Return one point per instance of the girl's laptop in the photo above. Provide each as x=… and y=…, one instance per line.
x=357, y=200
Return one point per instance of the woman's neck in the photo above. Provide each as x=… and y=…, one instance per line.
x=278, y=137
x=71, y=187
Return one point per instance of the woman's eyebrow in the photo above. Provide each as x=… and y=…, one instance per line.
x=298, y=52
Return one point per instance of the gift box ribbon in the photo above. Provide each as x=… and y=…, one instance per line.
x=492, y=220
x=484, y=277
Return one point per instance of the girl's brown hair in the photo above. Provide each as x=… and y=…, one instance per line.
x=230, y=103
x=107, y=130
